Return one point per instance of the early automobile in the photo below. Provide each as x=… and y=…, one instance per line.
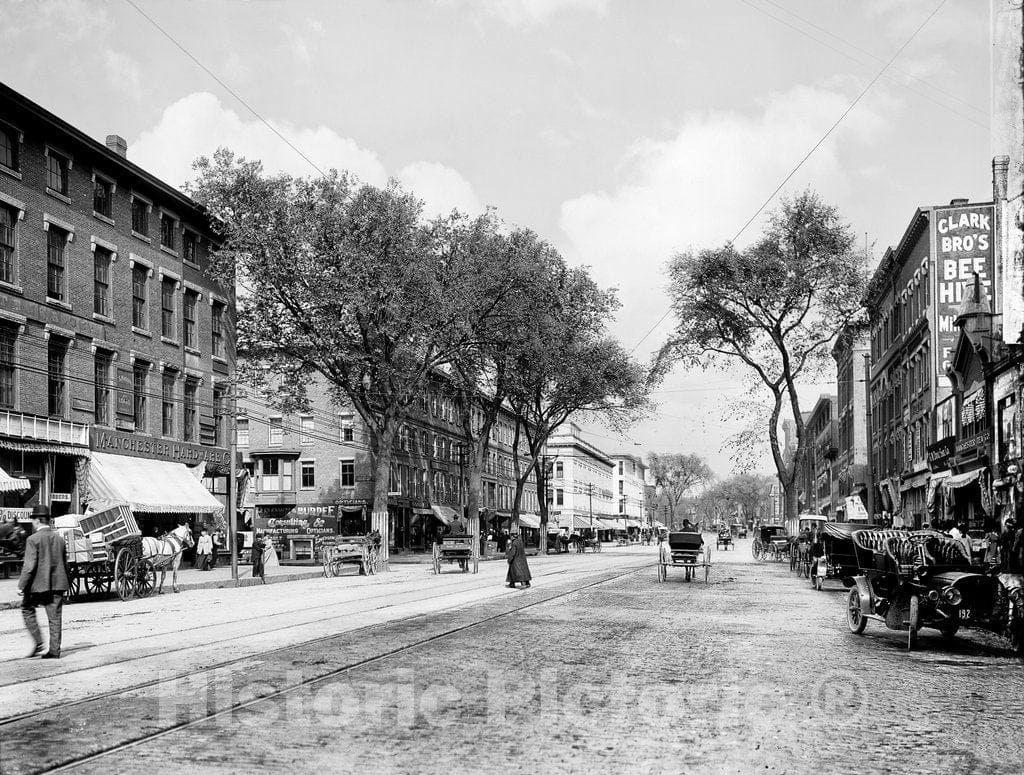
x=915, y=579
x=837, y=559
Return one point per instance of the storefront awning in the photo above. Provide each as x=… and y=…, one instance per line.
x=962, y=480
x=35, y=446
x=529, y=520
x=10, y=483
x=584, y=523
x=632, y=523
x=444, y=513
x=147, y=485
x=609, y=524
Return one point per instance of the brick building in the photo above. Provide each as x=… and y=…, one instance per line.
x=115, y=345
x=818, y=470
x=912, y=302
x=312, y=473
x=853, y=476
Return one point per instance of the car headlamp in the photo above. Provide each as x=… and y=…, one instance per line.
x=952, y=595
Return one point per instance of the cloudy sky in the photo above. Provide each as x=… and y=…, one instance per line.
x=620, y=130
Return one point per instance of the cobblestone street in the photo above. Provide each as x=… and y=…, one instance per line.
x=597, y=666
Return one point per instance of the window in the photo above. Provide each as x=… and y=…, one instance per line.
x=167, y=404
x=218, y=416
x=57, y=385
x=56, y=262
x=242, y=432
x=8, y=222
x=168, y=327
x=189, y=410
x=140, y=377
x=189, y=244
x=188, y=316
x=140, y=216
x=559, y=471
x=8, y=148
x=308, y=474
x=622, y=505
x=8, y=372
x=621, y=485
x=348, y=434
x=167, y=231
x=101, y=389
x=276, y=474
x=101, y=282
x=217, y=328
x=276, y=432
x=559, y=497
x=140, y=313
x=348, y=473
x=621, y=467
x=307, y=426
x=57, y=167
x=102, y=197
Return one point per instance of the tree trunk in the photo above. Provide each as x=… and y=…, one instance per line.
x=381, y=480
x=791, y=493
x=542, y=504
x=474, y=479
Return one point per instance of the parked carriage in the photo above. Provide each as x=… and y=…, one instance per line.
x=838, y=559
x=770, y=543
x=453, y=548
x=338, y=551
x=104, y=552
x=684, y=550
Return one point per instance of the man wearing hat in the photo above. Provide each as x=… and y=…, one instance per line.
x=43, y=582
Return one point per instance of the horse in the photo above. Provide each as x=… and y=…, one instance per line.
x=167, y=550
x=12, y=538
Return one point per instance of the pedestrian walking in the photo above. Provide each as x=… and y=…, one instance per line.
x=43, y=582
x=204, y=550
x=258, y=566
x=218, y=547
x=518, y=570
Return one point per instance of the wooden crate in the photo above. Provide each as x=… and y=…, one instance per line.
x=113, y=523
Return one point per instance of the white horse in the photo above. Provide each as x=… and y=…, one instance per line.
x=167, y=550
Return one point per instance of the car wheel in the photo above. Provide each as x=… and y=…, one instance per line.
x=855, y=618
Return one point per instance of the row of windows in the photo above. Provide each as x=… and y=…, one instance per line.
x=276, y=431
x=905, y=312
x=58, y=173
x=172, y=411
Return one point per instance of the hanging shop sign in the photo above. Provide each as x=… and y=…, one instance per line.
x=940, y=453
x=963, y=246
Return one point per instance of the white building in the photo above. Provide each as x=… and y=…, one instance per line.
x=630, y=476
x=582, y=482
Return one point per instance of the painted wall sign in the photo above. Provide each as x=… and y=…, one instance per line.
x=963, y=246
x=121, y=443
x=125, y=393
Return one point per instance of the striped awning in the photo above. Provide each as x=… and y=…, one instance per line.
x=10, y=483
x=156, y=486
x=529, y=520
x=35, y=446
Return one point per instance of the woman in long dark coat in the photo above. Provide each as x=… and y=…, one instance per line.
x=518, y=570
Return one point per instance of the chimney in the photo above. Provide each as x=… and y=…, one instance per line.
x=1000, y=177
x=118, y=145
x=952, y=202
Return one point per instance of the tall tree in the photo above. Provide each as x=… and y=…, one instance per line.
x=773, y=309
x=677, y=474
x=340, y=280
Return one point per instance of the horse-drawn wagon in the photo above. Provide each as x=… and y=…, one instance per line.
x=453, y=548
x=339, y=551
x=684, y=550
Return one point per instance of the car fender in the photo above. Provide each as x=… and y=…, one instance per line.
x=867, y=602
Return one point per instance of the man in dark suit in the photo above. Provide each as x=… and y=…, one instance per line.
x=43, y=582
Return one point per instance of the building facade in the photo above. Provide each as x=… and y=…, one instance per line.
x=312, y=473
x=853, y=478
x=912, y=302
x=629, y=481
x=818, y=469
x=582, y=484
x=116, y=346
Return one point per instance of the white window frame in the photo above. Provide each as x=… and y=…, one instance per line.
x=341, y=471
x=306, y=435
x=275, y=428
x=302, y=463
x=239, y=432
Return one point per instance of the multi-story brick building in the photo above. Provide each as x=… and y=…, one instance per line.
x=817, y=478
x=582, y=482
x=912, y=302
x=115, y=345
x=853, y=477
x=313, y=473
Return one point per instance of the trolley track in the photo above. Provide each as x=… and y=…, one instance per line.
x=328, y=675
x=454, y=588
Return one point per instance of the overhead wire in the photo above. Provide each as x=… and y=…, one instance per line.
x=811, y=152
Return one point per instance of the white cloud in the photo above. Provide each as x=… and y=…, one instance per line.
x=123, y=72
x=198, y=124
x=526, y=13
x=441, y=188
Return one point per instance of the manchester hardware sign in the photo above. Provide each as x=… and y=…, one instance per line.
x=121, y=443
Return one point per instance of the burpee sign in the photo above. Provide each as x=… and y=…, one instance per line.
x=963, y=246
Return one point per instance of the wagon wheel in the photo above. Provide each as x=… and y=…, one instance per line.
x=913, y=621
x=145, y=579
x=597, y=546
x=754, y=548
x=97, y=579
x=74, y=583
x=854, y=616
x=336, y=567
x=125, y=572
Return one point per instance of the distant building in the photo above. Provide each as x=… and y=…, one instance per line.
x=582, y=482
x=817, y=470
x=853, y=477
x=629, y=479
